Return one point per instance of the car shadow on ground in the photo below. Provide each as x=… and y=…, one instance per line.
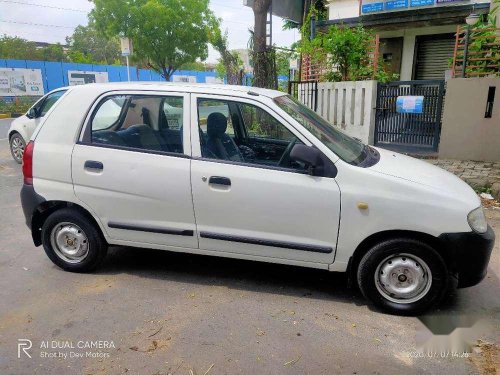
x=231, y=273
x=247, y=275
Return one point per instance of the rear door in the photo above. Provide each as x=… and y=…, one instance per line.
x=132, y=168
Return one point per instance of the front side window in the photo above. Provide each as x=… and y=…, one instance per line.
x=209, y=106
x=151, y=123
x=49, y=101
x=242, y=132
x=346, y=148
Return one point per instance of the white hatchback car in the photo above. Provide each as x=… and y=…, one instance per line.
x=246, y=173
x=22, y=128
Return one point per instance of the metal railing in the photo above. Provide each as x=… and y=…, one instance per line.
x=477, y=52
x=305, y=91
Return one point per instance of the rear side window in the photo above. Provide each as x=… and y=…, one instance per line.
x=108, y=113
x=49, y=101
x=151, y=123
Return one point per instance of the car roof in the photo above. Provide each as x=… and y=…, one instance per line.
x=182, y=87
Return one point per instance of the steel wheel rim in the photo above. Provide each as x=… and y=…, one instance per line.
x=69, y=241
x=403, y=278
x=17, y=147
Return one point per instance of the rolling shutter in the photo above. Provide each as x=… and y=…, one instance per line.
x=433, y=55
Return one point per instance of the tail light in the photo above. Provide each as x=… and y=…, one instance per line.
x=28, y=163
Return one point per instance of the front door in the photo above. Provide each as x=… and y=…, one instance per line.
x=249, y=197
x=132, y=170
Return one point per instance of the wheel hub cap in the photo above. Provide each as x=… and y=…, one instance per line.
x=69, y=242
x=403, y=278
x=17, y=148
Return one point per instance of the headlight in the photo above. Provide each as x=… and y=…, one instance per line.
x=477, y=220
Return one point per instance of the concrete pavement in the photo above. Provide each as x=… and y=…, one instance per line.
x=4, y=126
x=169, y=313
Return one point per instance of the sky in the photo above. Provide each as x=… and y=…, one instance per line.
x=52, y=20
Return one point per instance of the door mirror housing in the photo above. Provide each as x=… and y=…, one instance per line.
x=315, y=161
x=310, y=156
x=32, y=113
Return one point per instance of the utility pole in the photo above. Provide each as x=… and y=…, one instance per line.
x=126, y=46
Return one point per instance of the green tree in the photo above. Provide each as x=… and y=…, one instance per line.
x=17, y=48
x=88, y=45
x=165, y=33
x=348, y=50
x=197, y=66
x=221, y=70
x=53, y=52
x=283, y=58
x=22, y=49
x=229, y=64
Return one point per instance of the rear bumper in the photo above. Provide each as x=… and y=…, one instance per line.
x=30, y=200
x=470, y=253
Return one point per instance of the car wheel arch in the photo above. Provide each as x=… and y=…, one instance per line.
x=45, y=209
x=16, y=131
x=378, y=237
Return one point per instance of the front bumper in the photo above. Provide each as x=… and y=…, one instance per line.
x=470, y=254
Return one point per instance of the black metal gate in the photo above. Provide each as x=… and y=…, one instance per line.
x=305, y=92
x=409, y=132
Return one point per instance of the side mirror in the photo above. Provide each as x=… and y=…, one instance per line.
x=310, y=156
x=32, y=113
x=317, y=163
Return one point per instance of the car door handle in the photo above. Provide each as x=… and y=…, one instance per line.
x=94, y=165
x=217, y=180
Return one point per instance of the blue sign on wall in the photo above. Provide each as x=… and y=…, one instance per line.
x=421, y=3
x=410, y=104
x=396, y=4
x=372, y=7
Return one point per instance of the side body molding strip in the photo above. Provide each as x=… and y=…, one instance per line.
x=178, y=232
x=257, y=241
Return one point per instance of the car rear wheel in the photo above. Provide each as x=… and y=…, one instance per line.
x=17, y=145
x=72, y=241
x=403, y=276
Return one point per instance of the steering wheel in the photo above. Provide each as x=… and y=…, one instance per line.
x=285, y=158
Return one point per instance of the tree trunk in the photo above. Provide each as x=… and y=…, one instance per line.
x=232, y=69
x=262, y=68
x=166, y=73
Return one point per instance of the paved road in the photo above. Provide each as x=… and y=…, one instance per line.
x=4, y=126
x=172, y=313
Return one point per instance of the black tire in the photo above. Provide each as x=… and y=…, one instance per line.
x=16, y=138
x=439, y=286
x=97, y=246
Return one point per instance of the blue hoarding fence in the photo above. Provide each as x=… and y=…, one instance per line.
x=55, y=74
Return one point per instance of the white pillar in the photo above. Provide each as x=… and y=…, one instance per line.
x=408, y=57
x=496, y=6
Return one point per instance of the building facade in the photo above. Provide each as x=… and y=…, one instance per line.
x=417, y=37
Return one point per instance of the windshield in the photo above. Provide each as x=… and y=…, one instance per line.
x=348, y=149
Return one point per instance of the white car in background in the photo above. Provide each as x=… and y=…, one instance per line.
x=22, y=128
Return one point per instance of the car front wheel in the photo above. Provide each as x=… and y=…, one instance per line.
x=403, y=276
x=17, y=145
x=72, y=241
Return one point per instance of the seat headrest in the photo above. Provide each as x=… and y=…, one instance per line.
x=216, y=124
